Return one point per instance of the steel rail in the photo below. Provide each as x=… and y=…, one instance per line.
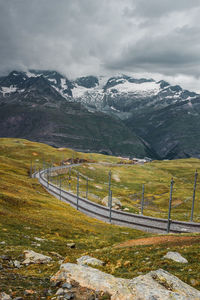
x=141, y=222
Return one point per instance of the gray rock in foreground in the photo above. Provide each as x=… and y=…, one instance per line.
x=88, y=260
x=159, y=285
x=175, y=256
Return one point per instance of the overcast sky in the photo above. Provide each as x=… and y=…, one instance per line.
x=152, y=38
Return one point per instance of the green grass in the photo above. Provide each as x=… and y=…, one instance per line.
x=28, y=211
x=127, y=183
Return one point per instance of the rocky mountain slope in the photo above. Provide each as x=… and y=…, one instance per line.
x=118, y=115
x=32, y=107
x=165, y=116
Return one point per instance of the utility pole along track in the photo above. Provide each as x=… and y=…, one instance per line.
x=100, y=212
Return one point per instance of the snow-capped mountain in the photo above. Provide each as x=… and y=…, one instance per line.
x=120, y=95
x=164, y=116
x=39, y=106
x=124, y=95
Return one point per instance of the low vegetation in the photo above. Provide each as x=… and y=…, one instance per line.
x=127, y=181
x=30, y=218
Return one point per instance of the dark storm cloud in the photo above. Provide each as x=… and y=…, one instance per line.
x=170, y=53
x=158, y=8
x=89, y=36
x=50, y=34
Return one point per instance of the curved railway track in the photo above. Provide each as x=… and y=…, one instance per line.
x=141, y=222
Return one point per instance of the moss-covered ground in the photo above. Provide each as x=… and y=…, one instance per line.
x=28, y=212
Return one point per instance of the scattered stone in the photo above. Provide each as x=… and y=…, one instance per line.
x=175, y=256
x=68, y=296
x=71, y=245
x=116, y=207
x=98, y=187
x=126, y=209
x=35, y=258
x=39, y=239
x=29, y=292
x=66, y=285
x=60, y=291
x=55, y=283
x=115, y=202
x=4, y=296
x=10, y=263
x=18, y=298
x=159, y=285
x=5, y=257
x=56, y=254
x=36, y=244
x=2, y=243
x=116, y=177
x=88, y=260
x=1, y=267
x=16, y=264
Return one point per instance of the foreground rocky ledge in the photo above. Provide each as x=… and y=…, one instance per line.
x=156, y=285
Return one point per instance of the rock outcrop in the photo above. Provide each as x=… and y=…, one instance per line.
x=159, y=285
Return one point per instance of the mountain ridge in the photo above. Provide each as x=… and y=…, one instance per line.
x=30, y=107
x=143, y=107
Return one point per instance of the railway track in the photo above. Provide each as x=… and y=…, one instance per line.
x=117, y=217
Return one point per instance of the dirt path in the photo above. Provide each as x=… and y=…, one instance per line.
x=164, y=239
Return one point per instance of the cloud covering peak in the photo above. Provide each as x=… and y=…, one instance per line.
x=80, y=37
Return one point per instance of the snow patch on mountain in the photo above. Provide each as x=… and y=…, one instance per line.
x=52, y=80
x=63, y=84
x=31, y=74
x=78, y=91
x=8, y=90
x=146, y=88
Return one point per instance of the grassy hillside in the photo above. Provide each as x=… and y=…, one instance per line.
x=27, y=212
x=127, y=183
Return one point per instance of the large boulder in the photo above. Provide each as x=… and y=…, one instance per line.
x=32, y=257
x=159, y=285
